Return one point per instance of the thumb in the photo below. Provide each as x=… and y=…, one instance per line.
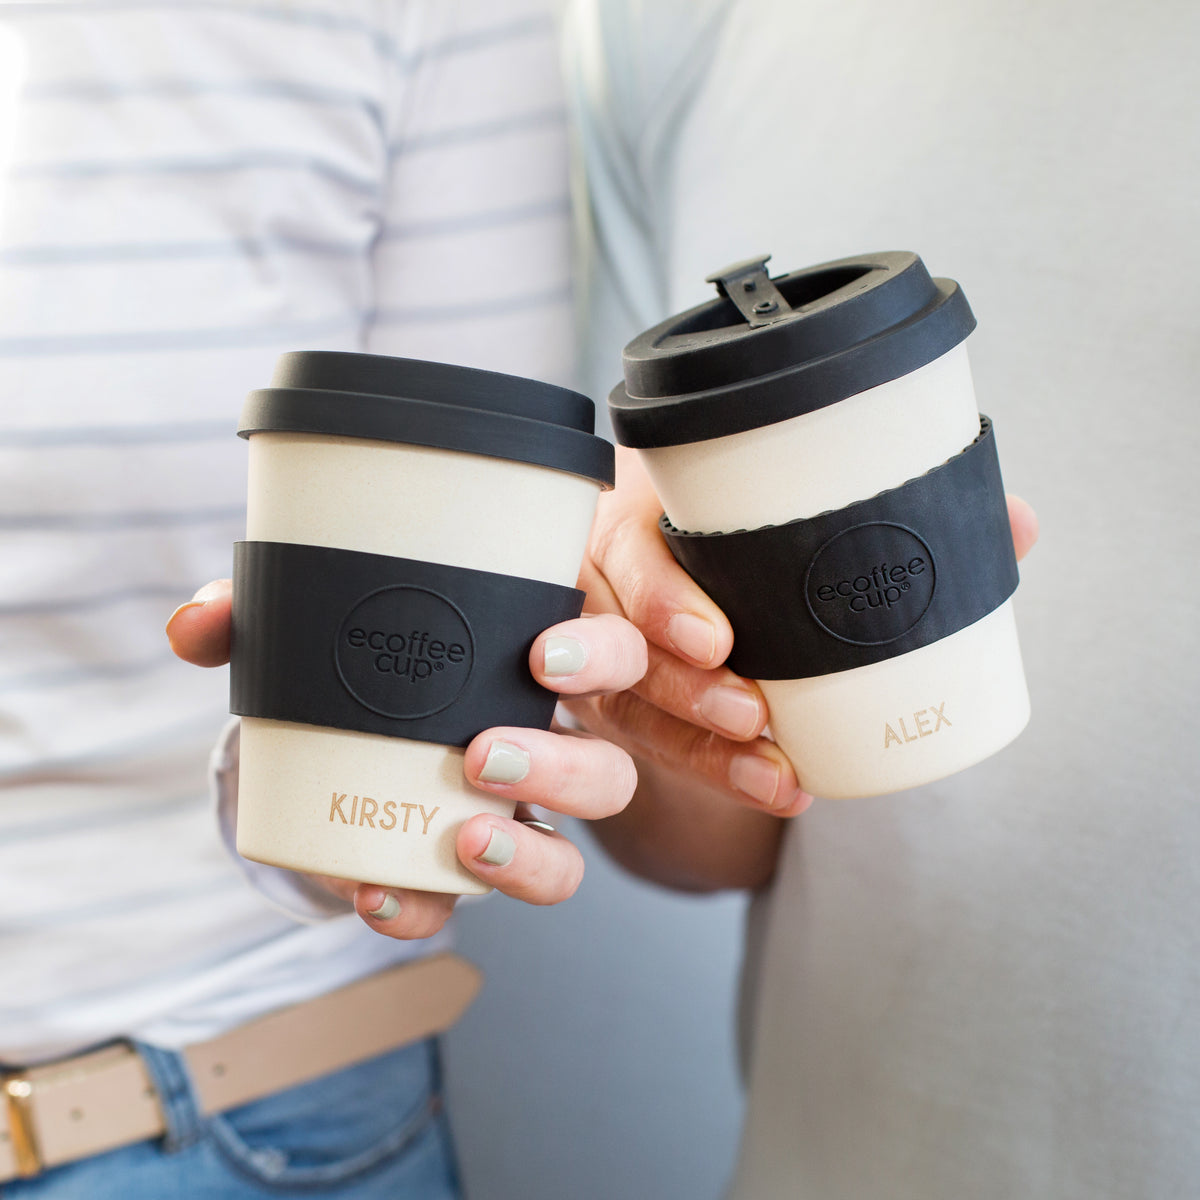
x=199, y=630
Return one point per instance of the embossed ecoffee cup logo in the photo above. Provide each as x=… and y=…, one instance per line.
x=405, y=652
x=871, y=584
x=828, y=480
x=411, y=528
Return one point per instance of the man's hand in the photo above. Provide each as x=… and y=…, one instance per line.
x=690, y=714
x=693, y=727
x=574, y=774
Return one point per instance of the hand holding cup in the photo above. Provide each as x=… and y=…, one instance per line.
x=829, y=482
x=690, y=714
x=413, y=529
x=573, y=774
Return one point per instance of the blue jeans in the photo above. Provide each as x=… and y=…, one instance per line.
x=372, y=1131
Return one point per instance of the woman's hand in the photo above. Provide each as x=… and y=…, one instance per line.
x=570, y=773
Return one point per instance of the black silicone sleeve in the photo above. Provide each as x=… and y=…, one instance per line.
x=395, y=646
x=864, y=583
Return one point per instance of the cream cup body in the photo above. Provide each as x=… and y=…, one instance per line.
x=443, y=506
x=908, y=720
x=834, y=727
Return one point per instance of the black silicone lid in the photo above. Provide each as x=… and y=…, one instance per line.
x=431, y=404
x=773, y=348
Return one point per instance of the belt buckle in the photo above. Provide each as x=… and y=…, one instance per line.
x=18, y=1101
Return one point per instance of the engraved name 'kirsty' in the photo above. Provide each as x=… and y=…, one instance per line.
x=881, y=587
x=414, y=656
x=365, y=811
x=925, y=723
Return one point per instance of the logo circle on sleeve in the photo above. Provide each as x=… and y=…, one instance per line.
x=870, y=584
x=404, y=652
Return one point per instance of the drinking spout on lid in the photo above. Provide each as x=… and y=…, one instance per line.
x=750, y=288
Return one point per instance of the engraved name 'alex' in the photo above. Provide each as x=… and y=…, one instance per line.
x=364, y=811
x=926, y=722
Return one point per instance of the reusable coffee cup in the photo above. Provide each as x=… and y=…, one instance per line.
x=829, y=482
x=411, y=528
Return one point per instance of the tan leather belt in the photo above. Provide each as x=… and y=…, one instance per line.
x=67, y=1110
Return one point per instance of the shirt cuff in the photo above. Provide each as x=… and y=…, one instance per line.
x=289, y=892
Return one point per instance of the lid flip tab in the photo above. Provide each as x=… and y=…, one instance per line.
x=749, y=286
x=766, y=350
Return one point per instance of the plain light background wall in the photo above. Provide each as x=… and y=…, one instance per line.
x=599, y=1061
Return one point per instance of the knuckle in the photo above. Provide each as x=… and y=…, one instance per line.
x=665, y=685
x=592, y=778
x=626, y=562
x=571, y=770
x=616, y=715
x=555, y=876
x=622, y=782
x=664, y=737
x=625, y=646
x=705, y=753
x=422, y=918
x=659, y=677
x=551, y=776
x=619, y=706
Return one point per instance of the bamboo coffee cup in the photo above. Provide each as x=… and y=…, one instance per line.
x=828, y=480
x=411, y=528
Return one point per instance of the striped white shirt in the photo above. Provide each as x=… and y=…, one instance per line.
x=189, y=188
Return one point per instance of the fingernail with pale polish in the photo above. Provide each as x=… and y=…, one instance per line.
x=731, y=709
x=500, y=849
x=389, y=909
x=693, y=636
x=505, y=763
x=756, y=776
x=564, y=656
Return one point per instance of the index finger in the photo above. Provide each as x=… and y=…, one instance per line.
x=645, y=581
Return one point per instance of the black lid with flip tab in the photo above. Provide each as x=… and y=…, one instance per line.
x=770, y=349
x=875, y=579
